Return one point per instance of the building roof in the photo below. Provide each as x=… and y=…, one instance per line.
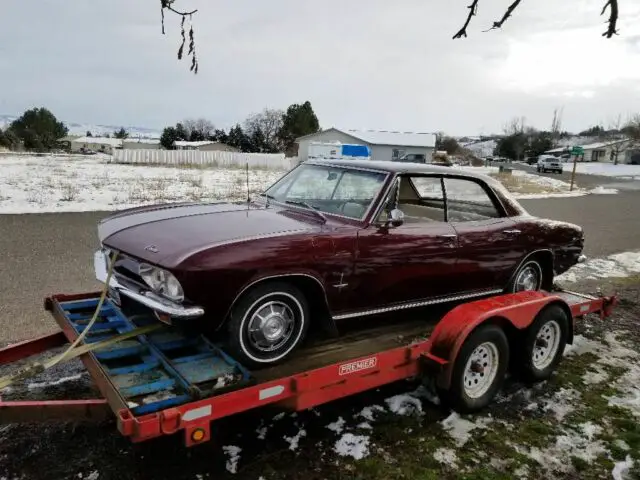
x=114, y=142
x=184, y=143
x=386, y=137
x=150, y=141
x=587, y=146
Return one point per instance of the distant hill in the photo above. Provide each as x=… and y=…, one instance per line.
x=96, y=130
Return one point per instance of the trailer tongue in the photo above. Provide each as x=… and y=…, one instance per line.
x=166, y=380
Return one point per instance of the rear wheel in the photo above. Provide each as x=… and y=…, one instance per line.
x=267, y=324
x=544, y=344
x=479, y=369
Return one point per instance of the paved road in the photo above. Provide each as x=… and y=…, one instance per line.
x=41, y=254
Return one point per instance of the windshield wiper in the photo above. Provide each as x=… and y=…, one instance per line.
x=306, y=205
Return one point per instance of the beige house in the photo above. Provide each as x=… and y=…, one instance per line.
x=95, y=144
x=204, y=146
x=598, y=152
x=141, y=144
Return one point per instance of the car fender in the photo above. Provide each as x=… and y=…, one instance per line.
x=518, y=310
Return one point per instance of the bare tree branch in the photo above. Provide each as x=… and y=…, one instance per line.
x=613, y=18
x=473, y=8
x=168, y=4
x=506, y=15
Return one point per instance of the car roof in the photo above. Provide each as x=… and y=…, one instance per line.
x=398, y=167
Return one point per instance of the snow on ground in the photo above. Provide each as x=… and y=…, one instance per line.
x=61, y=184
x=618, y=265
x=234, y=455
x=295, y=440
x=609, y=170
x=350, y=445
x=337, y=426
x=446, y=456
x=460, y=429
x=621, y=469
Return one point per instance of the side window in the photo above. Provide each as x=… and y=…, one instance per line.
x=467, y=201
x=421, y=199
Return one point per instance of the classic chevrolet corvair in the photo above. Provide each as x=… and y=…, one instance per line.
x=329, y=241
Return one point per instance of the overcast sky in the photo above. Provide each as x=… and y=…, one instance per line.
x=369, y=64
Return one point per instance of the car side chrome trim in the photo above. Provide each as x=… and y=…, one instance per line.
x=420, y=303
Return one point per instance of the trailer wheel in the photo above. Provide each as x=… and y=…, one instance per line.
x=544, y=344
x=478, y=370
x=267, y=324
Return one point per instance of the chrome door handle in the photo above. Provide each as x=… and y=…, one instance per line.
x=512, y=232
x=448, y=235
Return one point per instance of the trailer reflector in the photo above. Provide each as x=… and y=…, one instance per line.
x=197, y=413
x=270, y=392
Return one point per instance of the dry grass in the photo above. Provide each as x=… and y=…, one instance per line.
x=520, y=184
x=69, y=191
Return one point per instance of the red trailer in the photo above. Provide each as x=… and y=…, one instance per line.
x=166, y=381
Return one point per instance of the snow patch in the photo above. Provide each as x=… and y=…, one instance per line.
x=592, y=377
x=37, y=385
x=460, y=429
x=234, y=455
x=608, y=169
x=590, y=429
x=562, y=403
x=404, y=404
x=295, y=440
x=367, y=412
x=621, y=469
x=603, y=191
x=446, y=456
x=365, y=426
x=337, y=426
x=618, y=265
x=522, y=471
x=350, y=445
x=622, y=445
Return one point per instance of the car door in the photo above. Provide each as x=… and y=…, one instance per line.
x=489, y=243
x=411, y=262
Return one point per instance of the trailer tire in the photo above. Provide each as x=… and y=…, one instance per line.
x=544, y=344
x=486, y=349
x=281, y=312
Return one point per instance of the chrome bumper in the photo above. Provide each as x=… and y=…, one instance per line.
x=144, y=297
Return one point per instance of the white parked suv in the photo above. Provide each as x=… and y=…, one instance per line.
x=549, y=164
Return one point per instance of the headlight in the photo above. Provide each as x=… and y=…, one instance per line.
x=161, y=282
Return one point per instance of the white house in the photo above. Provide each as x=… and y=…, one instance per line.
x=384, y=145
x=598, y=151
x=204, y=145
x=95, y=144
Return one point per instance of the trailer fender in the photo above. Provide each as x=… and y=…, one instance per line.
x=513, y=311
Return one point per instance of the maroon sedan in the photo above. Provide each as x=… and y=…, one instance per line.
x=329, y=241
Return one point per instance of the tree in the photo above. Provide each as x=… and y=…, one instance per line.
x=88, y=134
x=258, y=141
x=122, y=133
x=269, y=123
x=450, y=145
x=181, y=132
x=238, y=139
x=299, y=120
x=198, y=129
x=38, y=129
x=595, y=131
x=219, y=136
x=632, y=127
x=541, y=142
x=168, y=138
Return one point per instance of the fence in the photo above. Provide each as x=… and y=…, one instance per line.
x=276, y=161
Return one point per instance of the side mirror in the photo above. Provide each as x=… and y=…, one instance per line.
x=396, y=217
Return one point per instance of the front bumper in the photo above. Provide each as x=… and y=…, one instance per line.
x=140, y=295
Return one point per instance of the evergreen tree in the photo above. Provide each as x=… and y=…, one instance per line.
x=122, y=133
x=38, y=129
x=168, y=137
x=299, y=120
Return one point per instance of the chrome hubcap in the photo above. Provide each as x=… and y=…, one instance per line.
x=481, y=370
x=528, y=279
x=546, y=346
x=271, y=326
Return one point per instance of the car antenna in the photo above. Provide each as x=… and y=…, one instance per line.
x=248, y=191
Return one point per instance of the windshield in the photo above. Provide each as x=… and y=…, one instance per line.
x=329, y=189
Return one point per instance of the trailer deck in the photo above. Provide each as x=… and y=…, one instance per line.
x=165, y=381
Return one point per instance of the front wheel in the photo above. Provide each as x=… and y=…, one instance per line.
x=267, y=324
x=527, y=278
x=479, y=370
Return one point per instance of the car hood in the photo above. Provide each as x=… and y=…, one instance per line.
x=166, y=235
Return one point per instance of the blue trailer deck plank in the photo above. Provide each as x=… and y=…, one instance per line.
x=154, y=371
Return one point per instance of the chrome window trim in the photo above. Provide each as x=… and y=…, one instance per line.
x=415, y=304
